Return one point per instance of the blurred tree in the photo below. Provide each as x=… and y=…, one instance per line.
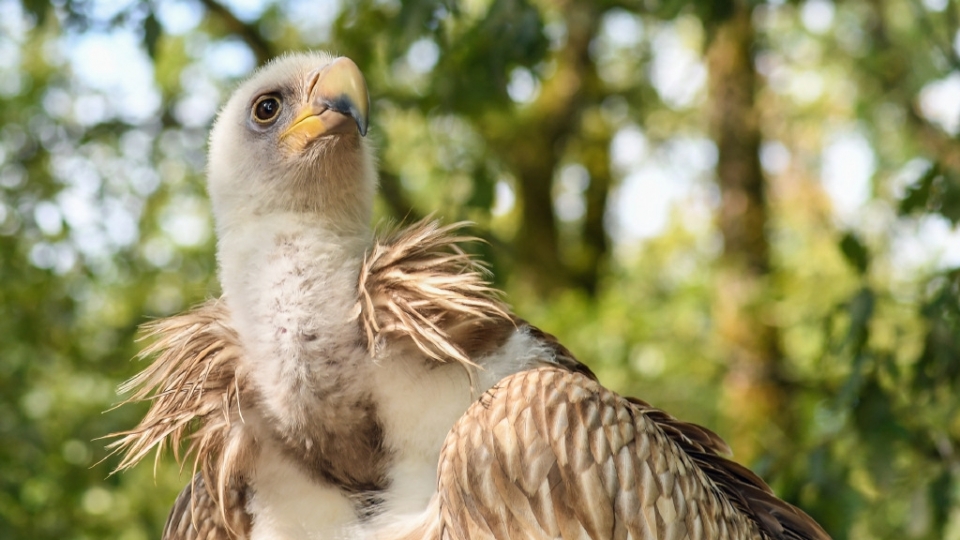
x=756, y=386
x=731, y=209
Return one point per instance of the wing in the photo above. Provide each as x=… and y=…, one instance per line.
x=195, y=392
x=550, y=453
x=202, y=519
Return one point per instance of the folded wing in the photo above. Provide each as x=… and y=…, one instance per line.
x=550, y=453
x=197, y=516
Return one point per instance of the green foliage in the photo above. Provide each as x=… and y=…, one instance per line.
x=496, y=111
x=936, y=191
x=855, y=252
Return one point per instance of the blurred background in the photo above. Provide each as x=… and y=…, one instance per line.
x=742, y=211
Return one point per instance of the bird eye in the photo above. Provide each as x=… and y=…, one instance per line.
x=266, y=109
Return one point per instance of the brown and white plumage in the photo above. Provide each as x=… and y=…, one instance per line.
x=643, y=470
x=318, y=396
x=548, y=453
x=198, y=515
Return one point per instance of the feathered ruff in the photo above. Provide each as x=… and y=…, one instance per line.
x=418, y=284
x=194, y=386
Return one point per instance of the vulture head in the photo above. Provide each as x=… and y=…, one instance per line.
x=291, y=140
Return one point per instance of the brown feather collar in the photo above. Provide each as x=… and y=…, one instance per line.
x=416, y=285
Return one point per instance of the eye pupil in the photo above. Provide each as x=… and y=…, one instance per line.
x=266, y=109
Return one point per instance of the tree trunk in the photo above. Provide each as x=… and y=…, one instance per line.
x=532, y=143
x=751, y=341
x=595, y=156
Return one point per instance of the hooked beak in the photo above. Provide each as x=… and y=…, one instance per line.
x=338, y=94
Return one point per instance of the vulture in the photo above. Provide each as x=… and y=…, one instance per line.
x=350, y=384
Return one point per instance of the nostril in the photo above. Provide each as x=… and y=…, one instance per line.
x=313, y=78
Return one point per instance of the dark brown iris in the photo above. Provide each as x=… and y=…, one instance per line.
x=266, y=109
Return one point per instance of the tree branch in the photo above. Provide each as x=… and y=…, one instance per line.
x=250, y=34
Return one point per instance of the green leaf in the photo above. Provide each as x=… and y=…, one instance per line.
x=941, y=498
x=937, y=363
x=855, y=252
x=473, y=72
x=936, y=191
x=861, y=311
x=484, y=184
x=151, y=33
x=918, y=195
x=37, y=8
x=949, y=192
x=880, y=427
